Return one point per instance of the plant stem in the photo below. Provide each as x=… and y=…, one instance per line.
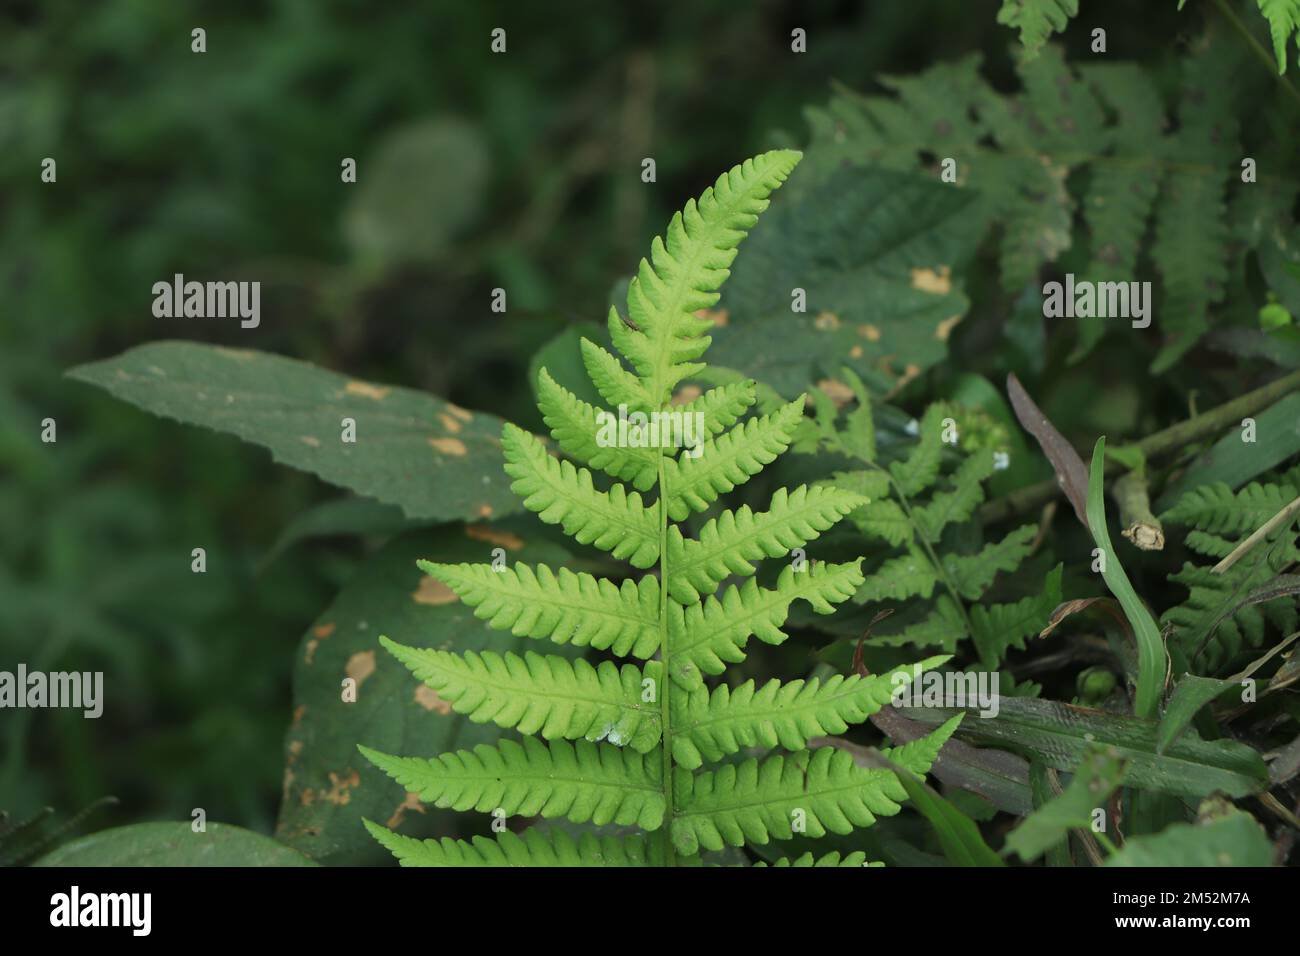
x=1170, y=439
x=1264, y=56
x=665, y=680
x=1263, y=531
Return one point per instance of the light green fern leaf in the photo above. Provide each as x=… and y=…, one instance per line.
x=530, y=848
x=729, y=543
x=549, y=695
x=563, y=607
x=615, y=521
x=835, y=859
x=577, y=428
x=709, y=726
x=708, y=635
x=696, y=480
x=1283, y=18
x=582, y=782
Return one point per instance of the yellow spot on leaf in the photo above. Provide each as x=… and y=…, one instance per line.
x=717, y=316
x=428, y=698
x=310, y=653
x=309, y=440
x=449, y=446
x=323, y=630
x=855, y=352
x=483, y=532
x=431, y=591
x=360, y=666
x=450, y=423
x=944, y=328
x=366, y=390
x=485, y=511
x=929, y=280
x=827, y=322
x=459, y=412
x=869, y=332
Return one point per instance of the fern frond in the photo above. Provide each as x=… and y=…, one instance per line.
x=575, y=426
x=997, y=628
x=920, y=469
x=971, y=574
x=942, y=627
x=884, y=518
x=565, y=608
x=1216, y=509
x=900, y=578
x=723, y=406
x=1283, y=18
x=1037, y=20
x=920, y=754
x=947, y=507
x=686, y=268
x=857, y=858
x=614, y=521
x=617, y=386
x=727, y=461
x=708, y=726
x=581, y=782
x=708, y=635
x=533, y=847
x=824, y=790
x=550, y=696
x=729, y=543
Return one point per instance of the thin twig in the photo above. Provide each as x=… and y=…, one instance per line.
x=1283, y=517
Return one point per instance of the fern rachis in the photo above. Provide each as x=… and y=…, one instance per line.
x=627, y=743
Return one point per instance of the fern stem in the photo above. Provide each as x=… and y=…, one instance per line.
x=939, y=570
x=665, y=678
x=1257, y=48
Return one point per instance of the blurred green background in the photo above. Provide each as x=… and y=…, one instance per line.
x=476, y=171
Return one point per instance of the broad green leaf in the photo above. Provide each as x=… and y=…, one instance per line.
x=175, y=844
x=1062, y=736
x=328, y=786
x=875, y=251
x=430, y=457
x=1231, y=840
x=1190, y=695
x=1094, y=781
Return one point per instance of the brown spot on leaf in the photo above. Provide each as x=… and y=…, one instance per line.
x=340, y=791
x=309, y=440
x=309, y=653
x=836, y=391
x=869, y=332
x=855, y=352
x=366, y=390
x=360, y=666
x=307, y=797
x=485, y=511
x=827, y=322
x=483, y=532
x=717, y=316
x=295, y=748
x=686, y=394
x=449, y=446
x=323, y=630
x=428, y=698
x=450, y=423
x=459, y=412
x=411, y=802
x=944, y=328
x=298, y=714
x=937, y=282
x=431, y=591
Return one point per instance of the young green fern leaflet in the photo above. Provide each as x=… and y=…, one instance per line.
x=627, y=743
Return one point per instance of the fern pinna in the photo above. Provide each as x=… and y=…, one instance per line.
x=626, y=744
